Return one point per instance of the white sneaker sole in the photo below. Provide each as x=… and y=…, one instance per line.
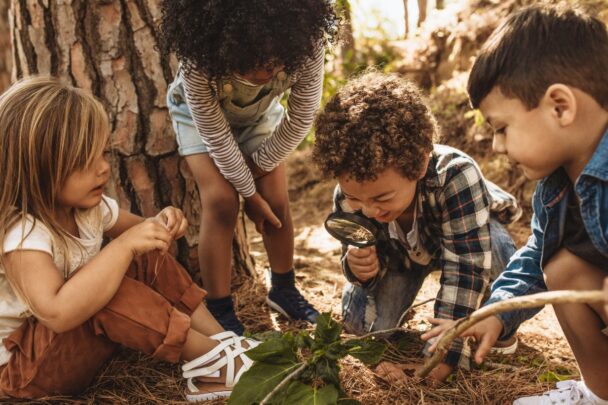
x=505, y=350
x=207, y=396
x=277, y=308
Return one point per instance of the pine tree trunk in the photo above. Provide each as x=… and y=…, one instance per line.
x=110, y=48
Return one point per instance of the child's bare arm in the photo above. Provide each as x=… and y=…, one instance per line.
x=62, y=305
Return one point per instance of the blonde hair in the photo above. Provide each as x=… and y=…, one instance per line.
x=48, y=130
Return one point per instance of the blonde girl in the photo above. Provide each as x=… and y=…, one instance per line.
x=66, y=303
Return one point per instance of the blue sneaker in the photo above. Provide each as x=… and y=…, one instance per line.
x=228, y=319
x=289, y=302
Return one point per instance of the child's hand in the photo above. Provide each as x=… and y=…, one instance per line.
x=258, y=210
x=442, y=326
x=400, y=373
x=146, y=236
x=486, y=333
x=174, y=220
x=363, y=262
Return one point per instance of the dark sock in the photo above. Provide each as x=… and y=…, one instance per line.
x=285, y=280
x=220, y=305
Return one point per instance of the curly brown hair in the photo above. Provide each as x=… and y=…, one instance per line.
x=374, y=122
x=222, y=37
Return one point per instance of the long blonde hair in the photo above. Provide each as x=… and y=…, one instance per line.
x=48, y=130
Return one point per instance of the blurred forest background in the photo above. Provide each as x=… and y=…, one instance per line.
x=108, y=46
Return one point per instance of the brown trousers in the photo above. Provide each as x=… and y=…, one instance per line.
x=149, y=313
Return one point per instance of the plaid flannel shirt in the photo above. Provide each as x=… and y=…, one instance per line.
x=453, y=213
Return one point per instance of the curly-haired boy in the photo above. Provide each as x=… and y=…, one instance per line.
x=237, y=59
x=376, y=137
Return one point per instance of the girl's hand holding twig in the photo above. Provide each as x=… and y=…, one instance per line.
x=145, y=237
x=174, y=220
x=258, y=210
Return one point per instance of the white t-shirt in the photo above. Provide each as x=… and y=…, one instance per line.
x=92, y=223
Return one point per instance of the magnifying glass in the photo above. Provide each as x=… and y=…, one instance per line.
x=352, y=228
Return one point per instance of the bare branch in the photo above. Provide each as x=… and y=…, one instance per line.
x=527, y=301
x=283, y=383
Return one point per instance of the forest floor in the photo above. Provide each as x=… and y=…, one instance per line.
x=542, y=357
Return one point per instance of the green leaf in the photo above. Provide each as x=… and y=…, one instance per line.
x=258, y=381
x=367, y=351
x=327, y=330
x=274, y=351
x=264, y=336
x=303, y=340
x=553, y=377
x=301, y=394
x=328, y=370
x=335, y=351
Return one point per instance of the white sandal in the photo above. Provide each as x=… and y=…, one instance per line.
x=209, y=365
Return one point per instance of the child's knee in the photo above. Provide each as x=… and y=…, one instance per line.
x=222, y=208
x=566, y=271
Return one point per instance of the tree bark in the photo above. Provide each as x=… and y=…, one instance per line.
x=110, y=48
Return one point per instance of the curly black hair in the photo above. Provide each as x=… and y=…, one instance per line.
x=222, y=37
x=374, y=122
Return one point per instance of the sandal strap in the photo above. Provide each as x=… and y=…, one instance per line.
x=207, y=357
x=223, y=335
x=194, y=368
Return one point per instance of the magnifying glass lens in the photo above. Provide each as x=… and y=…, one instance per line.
x=351, y=229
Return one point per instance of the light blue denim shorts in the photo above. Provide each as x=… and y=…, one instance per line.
x=189, y=142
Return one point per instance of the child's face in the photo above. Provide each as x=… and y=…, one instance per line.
x=263, y=75
x=383, y=199
x=528, y=137
x=83, y=188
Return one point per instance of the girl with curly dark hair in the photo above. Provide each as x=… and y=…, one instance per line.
x=237, y=59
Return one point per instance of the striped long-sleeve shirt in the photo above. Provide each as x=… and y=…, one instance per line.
x=214, y=129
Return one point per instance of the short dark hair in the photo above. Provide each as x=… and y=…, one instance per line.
x=223, y=37
x=539, y=46
x=374, y=122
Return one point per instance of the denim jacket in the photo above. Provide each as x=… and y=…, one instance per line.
x=524, y=273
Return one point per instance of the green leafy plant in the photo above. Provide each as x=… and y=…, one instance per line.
x=298, y=369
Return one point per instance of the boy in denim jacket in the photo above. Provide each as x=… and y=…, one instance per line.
x=541, y=81
x=437, y=212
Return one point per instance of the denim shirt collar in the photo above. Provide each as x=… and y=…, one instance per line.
x=598, y=165
x=557, y=184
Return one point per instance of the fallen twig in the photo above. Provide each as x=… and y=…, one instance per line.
x=283, y=383
x=528, y=301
